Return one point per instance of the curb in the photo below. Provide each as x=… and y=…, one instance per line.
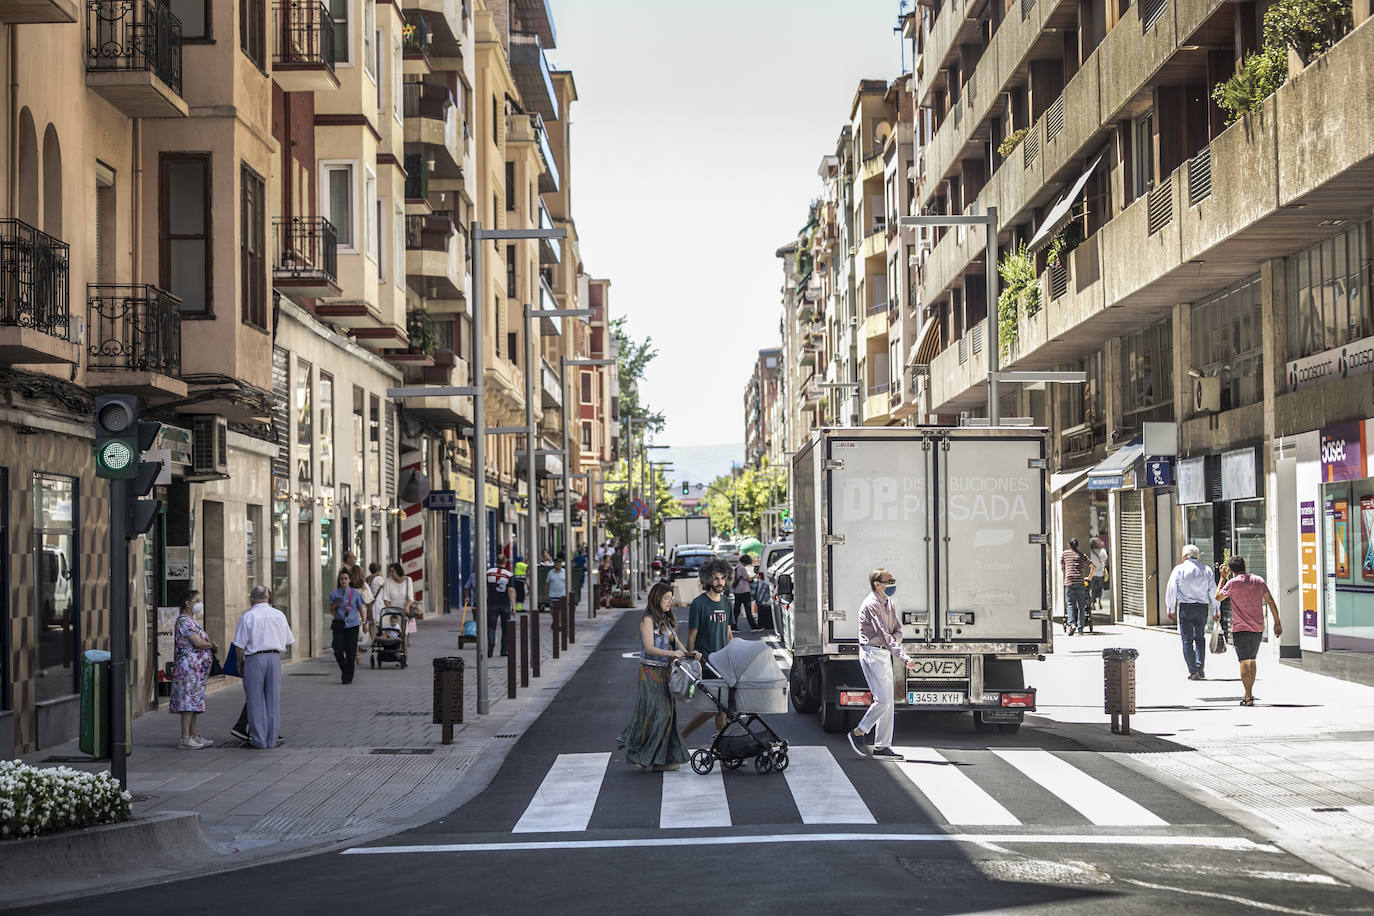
x=98, y=858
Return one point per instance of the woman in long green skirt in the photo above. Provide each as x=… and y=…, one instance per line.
x=651, y=739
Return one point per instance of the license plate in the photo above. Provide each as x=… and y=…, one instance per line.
x=940, y=666
x=935, y=698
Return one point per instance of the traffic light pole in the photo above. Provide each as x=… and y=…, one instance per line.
x=119, y=629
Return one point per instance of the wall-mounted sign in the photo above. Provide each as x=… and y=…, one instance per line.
x=1307, y=565
x=1238, y=477
x=1159, y=472
x=441, y=500
x=1354, y=358
x=1192, y=480
x=1115, y=482
x=1343, y=448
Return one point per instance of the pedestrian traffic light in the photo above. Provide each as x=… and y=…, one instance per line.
x=121, y=438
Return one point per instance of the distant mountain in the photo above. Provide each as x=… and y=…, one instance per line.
x=699, y=463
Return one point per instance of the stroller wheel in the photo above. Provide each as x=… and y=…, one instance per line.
x=702, y=762
x=763, y=763
x=403, y=661
x=731, y=763
x=779, y=761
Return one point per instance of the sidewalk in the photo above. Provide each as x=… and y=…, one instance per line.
x=1299, y=765
x=358, y=760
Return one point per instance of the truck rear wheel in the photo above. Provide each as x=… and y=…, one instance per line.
x=834, y=717
x=982, y=727
x=804, y=700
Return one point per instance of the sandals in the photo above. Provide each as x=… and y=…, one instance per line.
x=1247, y=701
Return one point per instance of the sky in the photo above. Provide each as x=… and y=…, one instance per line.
x=695, y=146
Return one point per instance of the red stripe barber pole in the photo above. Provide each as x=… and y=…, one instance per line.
x=413, y=528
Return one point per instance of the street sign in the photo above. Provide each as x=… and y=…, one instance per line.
x=441, y=500
x=1159, y=472
x=555, y=516
x=787, y=526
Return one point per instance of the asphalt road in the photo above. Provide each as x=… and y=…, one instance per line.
x=976, y=822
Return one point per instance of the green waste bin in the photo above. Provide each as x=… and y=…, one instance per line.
x=95, y=706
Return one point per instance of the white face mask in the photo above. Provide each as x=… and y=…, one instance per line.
x=198, y=607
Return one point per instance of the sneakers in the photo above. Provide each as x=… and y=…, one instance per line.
x=189, y=744
x=203, y=742
x=886, y=753
x=856, y=742
x=240, y=734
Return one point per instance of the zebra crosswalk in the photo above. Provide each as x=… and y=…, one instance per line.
x=988, y=787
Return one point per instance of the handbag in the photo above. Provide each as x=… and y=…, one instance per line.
x=230, y=668
x=682, y=682
x=1218, y=642
x=216, y=669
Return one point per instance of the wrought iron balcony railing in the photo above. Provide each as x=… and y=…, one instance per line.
x=305, y=247
x=134, y=35
x=134, y=327
x=33, y=280
x=303, y=34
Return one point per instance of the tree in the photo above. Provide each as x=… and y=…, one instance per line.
x=736, y=501
x=620, y=524
x=633, y=359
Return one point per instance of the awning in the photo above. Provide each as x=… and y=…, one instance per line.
x=1067, y=481
x=927, y=343
x=1059, y=215
x=1110, y=473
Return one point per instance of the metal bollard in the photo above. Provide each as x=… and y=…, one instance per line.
x=525, y=650
x=508, y=643
x=448, y=694
x=555, y=624
x=534, y=645
x=572, y=621
x=1118, y=676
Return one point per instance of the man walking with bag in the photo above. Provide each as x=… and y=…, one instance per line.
x=1188, y=598
x=263, y=634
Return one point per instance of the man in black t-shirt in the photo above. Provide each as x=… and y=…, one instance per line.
x=708, y=625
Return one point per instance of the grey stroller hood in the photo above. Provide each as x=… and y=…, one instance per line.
x=747, y=663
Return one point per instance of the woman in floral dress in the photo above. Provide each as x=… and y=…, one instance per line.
x=190, y=668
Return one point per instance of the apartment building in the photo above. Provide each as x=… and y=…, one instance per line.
x=1210, y=276
x=760, y=396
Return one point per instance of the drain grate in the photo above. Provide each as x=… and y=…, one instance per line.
x=508, y=736
x=403, y=750
x=80, y=759
x=400, y=713
x=1328, y=810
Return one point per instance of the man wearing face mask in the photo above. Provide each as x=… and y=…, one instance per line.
x=880, y=638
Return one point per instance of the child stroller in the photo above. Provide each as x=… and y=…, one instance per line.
x=391, y=644
x=755, y=684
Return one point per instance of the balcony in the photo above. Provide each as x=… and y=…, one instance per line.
x=416, y=38
x=133, y=57
x=550, y=250
x=877, y=405
x=434, y=256
x=549, y=180
x=537, y=17
x=35, y=319
x=307, y=258
x=548, y=302
x=451, y=413
x=431, y=120
x=551, y=386
x=533, y=78
x=303, y=46
x=417, y=185
x=875, y=320
x=134, y=340
x=16, y=11
x=441, y=17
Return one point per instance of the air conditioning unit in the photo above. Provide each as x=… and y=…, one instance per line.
x=1206, y=395
x=209, y=446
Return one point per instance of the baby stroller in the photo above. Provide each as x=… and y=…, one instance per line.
x=391, y=644
x=755, y=684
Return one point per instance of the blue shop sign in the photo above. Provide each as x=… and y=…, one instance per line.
x=1115, y=482
x=1159, y=472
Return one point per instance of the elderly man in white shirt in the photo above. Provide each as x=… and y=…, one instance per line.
x=1190, y=596
x=262, y=636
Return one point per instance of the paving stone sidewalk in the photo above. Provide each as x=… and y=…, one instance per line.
x=1301, y=759
x=358, y=759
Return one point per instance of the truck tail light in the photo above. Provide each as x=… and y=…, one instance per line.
x=856, y=698
x=1019, y=700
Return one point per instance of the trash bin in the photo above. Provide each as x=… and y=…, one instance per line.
x=94, y=730
x=1118, y=682
x=448, y=694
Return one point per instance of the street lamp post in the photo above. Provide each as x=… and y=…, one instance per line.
x=564, y=363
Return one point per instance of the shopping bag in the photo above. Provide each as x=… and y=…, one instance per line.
x=411, y=627
x=1218, y=643
x=682, y=680
x=230, y=666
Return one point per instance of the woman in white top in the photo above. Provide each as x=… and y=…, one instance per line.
x=397, y=591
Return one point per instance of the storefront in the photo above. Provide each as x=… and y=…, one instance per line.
x=1222, y=507
x=1347, y=522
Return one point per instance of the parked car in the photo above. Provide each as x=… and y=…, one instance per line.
x=688, y=564
x=728, y=551
x=782, y=603
x=684, y=549
x=772, y=554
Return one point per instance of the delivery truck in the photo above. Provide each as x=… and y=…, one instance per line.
x=685, y=529
x=959, y=516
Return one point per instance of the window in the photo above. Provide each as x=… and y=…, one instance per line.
x=195, y=18
x=381, y=249
x=510, y=272
x=510, y=186
x=326, y=429
x=513, y=348
x=343, y=51
x=184, y=231
x=398, y=229
x=253, y=30
x=586, y=436
x=369, y=38
x=495, y=121
x=374, y=446
x=104, y=223
x=305, y=423
x=397, y=80
x=377, y=67
x=56, y=552
x=336, y=190
x=253, y=247
x=1147, y=371
x=359, y=451
x=1144, y=153
x=1228, y=342
x=370, y=202
x=1329, y=293
x=586, y=387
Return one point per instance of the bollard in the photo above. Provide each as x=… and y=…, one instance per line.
x=1118, y=675
x=572, y=621
x=554, y=626
x=524, y=650
x=534, y=645
x=448, y=694
x=509, y=643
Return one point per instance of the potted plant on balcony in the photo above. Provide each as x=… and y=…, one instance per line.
x=1306, y=28
x=1011, y=142
x=1020, y=295
x=420, y=330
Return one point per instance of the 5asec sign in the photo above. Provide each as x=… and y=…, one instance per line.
x=1343, y=450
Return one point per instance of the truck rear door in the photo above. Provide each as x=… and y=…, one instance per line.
x=990, y=511
x=876, y=514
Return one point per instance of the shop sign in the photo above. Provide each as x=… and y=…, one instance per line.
x=1354, y=358
x=1307, y=528
x=1367, y=529
x=1238, y=478
x=1342, y=452
x=1192, y=480
x=176, y=442
x=1114, y=482
x=555, y=516
x=1159, y=472
x=441, y=500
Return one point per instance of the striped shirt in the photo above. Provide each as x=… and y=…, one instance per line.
x=1075, y=567
x=879, y=626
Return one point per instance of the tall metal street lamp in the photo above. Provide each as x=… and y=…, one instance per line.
x=636, y=560
x=564, y=364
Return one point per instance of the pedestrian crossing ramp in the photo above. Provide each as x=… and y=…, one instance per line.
x=995, y=787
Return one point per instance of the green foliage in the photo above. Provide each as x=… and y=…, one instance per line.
x=735, y=502
x=1309, y=27
x=1012, y=141
x=420, y=330
x=1019, y=283
x=634, y=357
x=619, y=523
x=1259, y=75
x=1065, y=240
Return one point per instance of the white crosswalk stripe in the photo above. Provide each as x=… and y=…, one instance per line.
x=1099, y=803
x=957, y=797
x=823, y=793
x=567, y=796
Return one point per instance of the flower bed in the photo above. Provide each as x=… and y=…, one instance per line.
x=35, y=801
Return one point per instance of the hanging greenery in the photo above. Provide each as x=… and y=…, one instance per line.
x=1309, y=27
x=1019, y=284
x=1254, y=81
x=1012, y=141
x=1065, y=240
